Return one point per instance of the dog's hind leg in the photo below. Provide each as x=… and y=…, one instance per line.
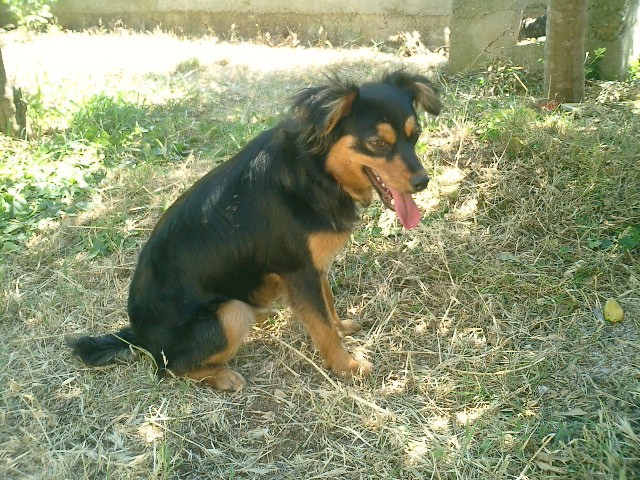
x=221, y=335
x=309, y=304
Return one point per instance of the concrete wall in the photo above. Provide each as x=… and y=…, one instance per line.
x=336, y=20
x=482, y=30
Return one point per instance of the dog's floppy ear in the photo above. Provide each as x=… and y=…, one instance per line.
x=423, y=92
x=319, y=109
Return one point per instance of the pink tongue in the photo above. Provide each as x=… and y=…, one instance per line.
x=406, y=209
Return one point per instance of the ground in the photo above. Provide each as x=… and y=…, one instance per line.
x=485, y=324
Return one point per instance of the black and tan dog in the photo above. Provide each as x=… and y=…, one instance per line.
x=268, y=223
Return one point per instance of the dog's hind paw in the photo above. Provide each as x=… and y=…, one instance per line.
x=220, y=378
x=230, y=380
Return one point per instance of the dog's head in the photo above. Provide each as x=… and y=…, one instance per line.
x=368, y=135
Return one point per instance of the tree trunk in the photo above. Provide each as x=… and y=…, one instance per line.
x=13, y=109
x=564, y=50
x=8, y=124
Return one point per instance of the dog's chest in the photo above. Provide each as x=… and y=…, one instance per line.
x=324, y=246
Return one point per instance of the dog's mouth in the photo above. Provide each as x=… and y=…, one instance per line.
x=401, y=203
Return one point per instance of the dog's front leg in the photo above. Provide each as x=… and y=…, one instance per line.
x=307, y=298
x=347, y=327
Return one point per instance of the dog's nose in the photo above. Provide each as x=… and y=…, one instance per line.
x=419, y=182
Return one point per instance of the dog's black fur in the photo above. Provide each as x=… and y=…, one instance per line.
x=267, y=223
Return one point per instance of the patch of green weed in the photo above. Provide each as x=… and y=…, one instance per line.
x=31, y=14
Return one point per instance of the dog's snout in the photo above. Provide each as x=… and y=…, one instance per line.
x=420, y=182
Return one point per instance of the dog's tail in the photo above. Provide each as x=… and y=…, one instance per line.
x=96, y=351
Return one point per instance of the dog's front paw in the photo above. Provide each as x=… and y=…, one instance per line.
x=352, y=367
x=349, y=327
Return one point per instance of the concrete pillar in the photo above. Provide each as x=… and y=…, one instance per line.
x=482, y=30
x=614, y=25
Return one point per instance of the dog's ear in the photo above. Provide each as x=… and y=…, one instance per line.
x=319, y=109
x=423, y=92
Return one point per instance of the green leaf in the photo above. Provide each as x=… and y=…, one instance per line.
x=630, y=238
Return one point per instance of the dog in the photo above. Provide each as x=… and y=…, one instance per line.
x=267, y=225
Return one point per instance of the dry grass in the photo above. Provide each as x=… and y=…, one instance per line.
x=491, y=358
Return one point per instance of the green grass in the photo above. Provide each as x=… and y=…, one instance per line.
x=492, y=359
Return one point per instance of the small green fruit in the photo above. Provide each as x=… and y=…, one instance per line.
x=613, y=311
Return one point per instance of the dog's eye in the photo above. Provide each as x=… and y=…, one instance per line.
x=379, y=144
